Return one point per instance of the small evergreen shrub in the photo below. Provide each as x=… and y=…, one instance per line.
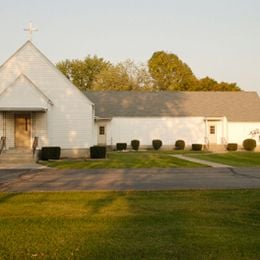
x=232, y=147
x=98, y=152
x=249, y=144
x=157, y=144
x=196, y=147
x=121, y=146
x=135, y=144
x=50, y=153
x=179, y=145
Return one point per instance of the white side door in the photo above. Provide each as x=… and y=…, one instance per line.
x=102, y=135
x=212, y=133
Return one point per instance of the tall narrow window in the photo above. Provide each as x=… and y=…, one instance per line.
x=101, y=130
x=212, y=130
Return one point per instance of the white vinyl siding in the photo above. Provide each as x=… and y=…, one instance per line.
x=167, y=129
x=239, y=131
x=10, y=128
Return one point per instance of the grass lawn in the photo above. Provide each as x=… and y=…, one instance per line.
x=131, y=225
x=147, y=159
x=240, y=159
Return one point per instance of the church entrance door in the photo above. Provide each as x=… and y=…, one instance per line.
x=22, y=131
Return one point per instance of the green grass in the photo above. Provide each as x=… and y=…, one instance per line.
x=239, y=159
x=118, y=160
x=131, y=225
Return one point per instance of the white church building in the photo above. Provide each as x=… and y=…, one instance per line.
x=38, y=101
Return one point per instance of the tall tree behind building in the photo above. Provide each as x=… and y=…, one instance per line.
x=164, y=71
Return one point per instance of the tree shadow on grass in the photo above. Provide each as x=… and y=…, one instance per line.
x=5, y=197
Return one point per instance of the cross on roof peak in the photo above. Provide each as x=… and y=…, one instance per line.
x=31, y=29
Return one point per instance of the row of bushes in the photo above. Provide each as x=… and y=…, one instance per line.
x=47, y=153
x=248, y=145
x=157, y=144
x=53, y=152
x=135, y=144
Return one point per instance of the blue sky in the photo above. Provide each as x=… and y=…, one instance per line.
x=220, y=39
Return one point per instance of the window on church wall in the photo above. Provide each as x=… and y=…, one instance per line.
x=212, y=130
x=101, y=130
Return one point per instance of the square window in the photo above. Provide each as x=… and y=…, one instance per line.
x=101, y=130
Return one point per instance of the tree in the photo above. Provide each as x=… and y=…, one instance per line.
x=82, y=73
x=170, y=73
x=165, y=71
x=208, y=84
x=125, y=75
x=138, y=74
x=114, y=77
x=224, y=86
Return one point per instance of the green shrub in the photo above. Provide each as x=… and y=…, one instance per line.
x=179, y=145
x=231, y=146
x=121, y=146
x=50, y=153
x=157, y=144
x=135, y=144
x=249, y=144
x=196, y=147
x=98, y=152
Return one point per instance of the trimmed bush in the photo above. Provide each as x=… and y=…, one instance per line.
x=249, y=144
x=179, y=145
x=232, y=147
x=135, y=144
x=50, y=153
x=98, y=152
x=121, y=146
x=196, y=147
x=157, y=144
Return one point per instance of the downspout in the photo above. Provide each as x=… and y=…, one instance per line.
x=93, y=126
x=223, y=139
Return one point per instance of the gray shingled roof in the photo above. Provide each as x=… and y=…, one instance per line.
x=236, y=106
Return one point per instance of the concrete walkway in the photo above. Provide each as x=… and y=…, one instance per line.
x=208, y=163
x=129, y=179
x=23, y=166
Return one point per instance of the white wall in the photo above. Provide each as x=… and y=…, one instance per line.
x=1, y=124
x=40, y=128
x=238, y=132
x=167, y=129
x=22, y=93
x=10, y=125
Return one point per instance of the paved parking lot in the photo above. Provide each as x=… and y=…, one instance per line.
x=23, y=180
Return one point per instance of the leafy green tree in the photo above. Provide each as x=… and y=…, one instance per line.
x=138, y=74
x=82, y=73
x=208, y=84
x=125, y=75
x=65, y=68
x=165, y=71
x=170, y=73
x=224, y=86
x=113, y=78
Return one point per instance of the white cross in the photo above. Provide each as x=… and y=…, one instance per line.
x=31, y=29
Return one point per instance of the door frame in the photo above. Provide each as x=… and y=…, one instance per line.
x=29, y=116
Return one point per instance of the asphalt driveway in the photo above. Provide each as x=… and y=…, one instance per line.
x=128, y=179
